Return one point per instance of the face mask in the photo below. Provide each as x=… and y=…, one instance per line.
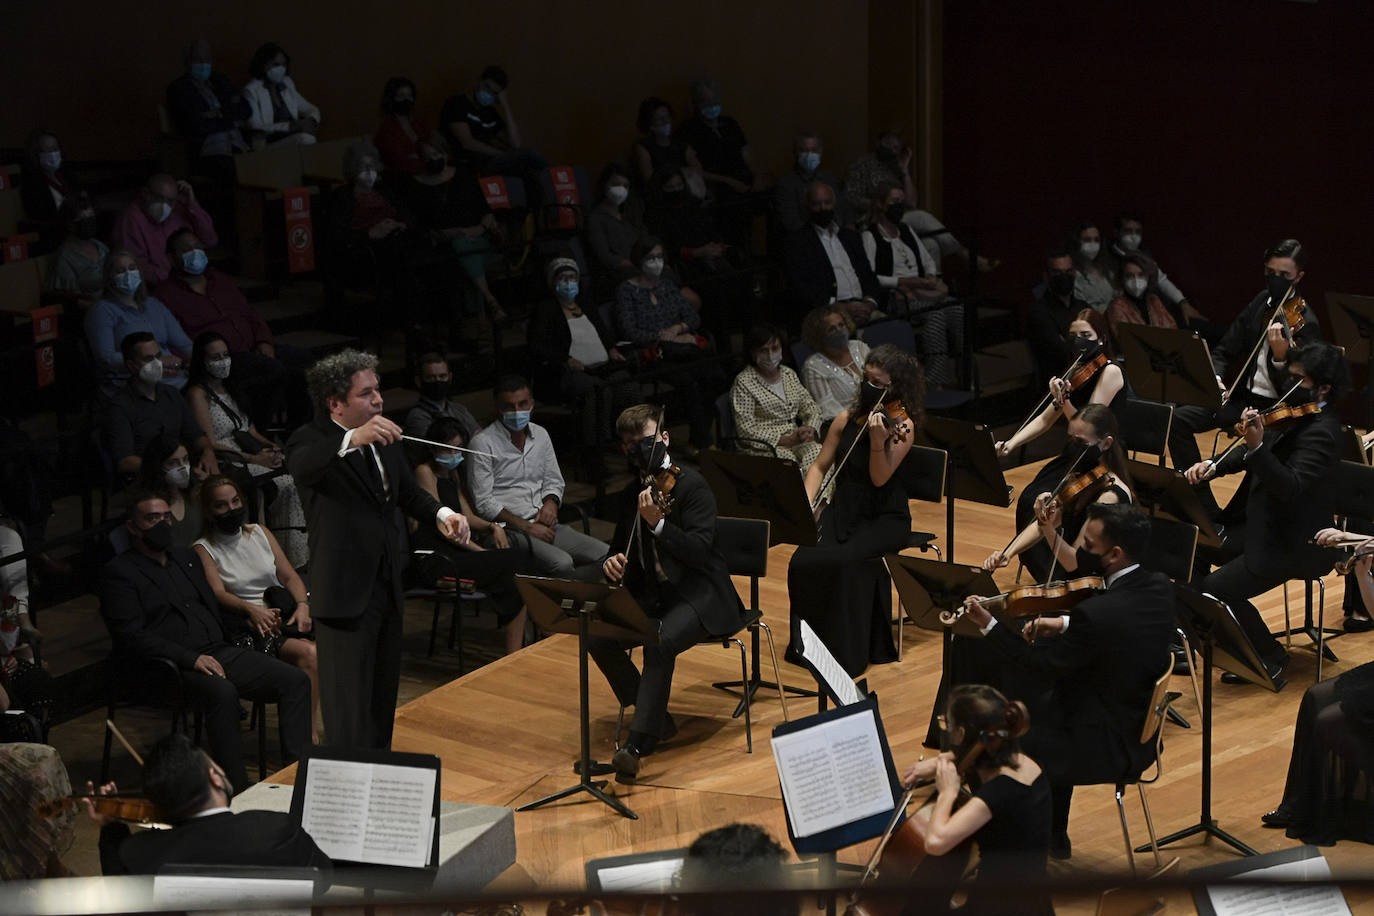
x=200, y=71
x=837, y=338
x=129, y=281
x=1061, y=284
x=869, y=394
x=85, y=228
x=1082, y=345
x=1086, y=457
x=366, y=179
x=886, y=153
x=403, y=106
x=1277, y=285
x=662, y=130
x=808, y=162
x=617, y=193
x=484, y=98
x=769, y=361
x=1089, y=563
x=219, y=367
x=179, y=477
x=436, y=391
x=567, y=290
x=653, y=267
x=276, y=73
x=449, y=461
x=51, y=161
x=151, y=371
x=435, y=166
x=1299, y=395
x=1135, y=286
x=1130, y=241
x=1090, y=249
x=194, y=262
x=159, y=537
x=822, y=218
x=649, y=453
x=895, y=212
x=231, y=521
x=515, y=420
x=159, y=212
x=711, y=112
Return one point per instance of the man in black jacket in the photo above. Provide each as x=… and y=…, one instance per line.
x=1286, y=497
x=355, y=483
x=1047, y=322
x=1089, y=682
x=192, y=793
x=157, y=604
x=672, y=567
x=825, y=262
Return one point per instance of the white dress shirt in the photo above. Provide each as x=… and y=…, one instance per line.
x=847, y=285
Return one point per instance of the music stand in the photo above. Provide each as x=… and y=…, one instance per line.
x=933, y=586
x=762, y=487
x=1169, y=365
x=1165, y=491
x=587, y=609
x=973, y=472
x=1352, y=327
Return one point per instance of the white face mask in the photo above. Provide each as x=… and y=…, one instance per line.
x=1135, y=286
x=1130, y=241
x=179, y=477
x=52, y=161
x=151, y=371
x=653, y=267
x=159, y=211
x=617, y=193
x=1090, y=249
x=219, y=367
x=769, y=360
x=367, y=178
x=276, y=73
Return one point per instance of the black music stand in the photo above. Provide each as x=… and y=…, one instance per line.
x=973, y=472
x=587, y=609
x=762, y=487
x=928, y=587
x=1211, y=625
x=1169, y=365
x=1165, y=491
x=1352, y=327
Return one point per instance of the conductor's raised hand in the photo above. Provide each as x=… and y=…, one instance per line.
x=614, y=567
x=378, y=430
x=456, y=528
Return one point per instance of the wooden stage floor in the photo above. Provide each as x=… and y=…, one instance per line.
x=508, y=733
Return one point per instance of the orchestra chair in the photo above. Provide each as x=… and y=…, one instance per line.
x=923, y=476
x=1152, y=732
x=1145, y=427
x=440, y=597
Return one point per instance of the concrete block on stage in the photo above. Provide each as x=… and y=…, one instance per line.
x=476, y=842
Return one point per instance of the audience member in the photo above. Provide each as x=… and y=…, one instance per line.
x=163, y=206
x=613, y=227
x=834, y=369
x=1128, y=239
x=719, y=144
x=126, y=308
x=157, y=604
x=790, y=193
x=193, y=792
x=486, y=560
x=657, y=149
x=25, y=686
x=771, y=406
x=144, y=408
x=1093, y=281
x=165, y=471
x=435, y=384
x=206, y=109
x=825, y=263
x=516, y=481
x=1138, y=303
x=45, y=185
x=263, y=601
x=736, y=857
x=31, y=775
x=277, y=112
x=217, y=402
x=399, y=135
x=889, y=163
x=79, y=265
x=486, y=137
x=1047, y=323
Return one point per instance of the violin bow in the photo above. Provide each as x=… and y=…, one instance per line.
x=1063, y=480
x=114, y=730
x=1264, y=335
x=1239, y=439
x=634, y=536
x=1040, y=405
x=836, y=468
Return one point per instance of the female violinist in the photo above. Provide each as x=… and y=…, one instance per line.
x=1094, y=442
x=845, y=599
x=1008, y=815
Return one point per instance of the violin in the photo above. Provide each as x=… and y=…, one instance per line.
x=1035, y=600
x=1084, y=373
x=1086, y=486
x=1293, y=313
x=127, y=808
x=1282, y=413
x=662, y=482
x=895, y=418
x=1359, y=545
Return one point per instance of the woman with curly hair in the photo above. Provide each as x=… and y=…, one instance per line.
x=840, y=586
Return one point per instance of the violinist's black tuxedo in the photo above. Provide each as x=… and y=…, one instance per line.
x=269, y=838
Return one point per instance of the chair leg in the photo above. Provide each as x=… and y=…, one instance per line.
x=1321, y=622
x=1192, y=671
x=777, y=671
x=1287, y=620
x=1149, y=825
x=434, y=626
x=1125, y=831
x=260, y=710
x=748, y=717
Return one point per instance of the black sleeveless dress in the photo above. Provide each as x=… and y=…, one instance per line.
x=492, y=571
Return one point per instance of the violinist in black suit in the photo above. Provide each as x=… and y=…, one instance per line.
x=672, y=567
x=1088, y=675
x=1285, y=497
x=355, y=483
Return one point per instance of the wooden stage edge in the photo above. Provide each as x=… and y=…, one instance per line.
x=507, y=734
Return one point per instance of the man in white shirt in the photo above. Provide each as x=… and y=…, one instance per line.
x=825, y=263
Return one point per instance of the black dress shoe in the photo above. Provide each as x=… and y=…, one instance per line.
x=793, y=656
x=1181, y=666
x=1358, y=624
x=1277, y=818
x=626, y=763
x=1060, y=847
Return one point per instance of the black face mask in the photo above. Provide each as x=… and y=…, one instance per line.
x=1061, y=284
x=822, y=218
x=1082, y=346
x=1085, y=458
x=1089, y=563
x=435, y=166
x=436, y=391
x=85, y=229
x=1277, y=285
x=648, y=453
x=886, y=153
x=1299, y=396
x=895, y=212
x=157, y=538
x=231, y=521
x=403, y=106
x=869, y=394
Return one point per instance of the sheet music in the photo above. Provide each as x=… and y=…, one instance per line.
x=377, y=813
x=841, y=685
x=657, y=876
x=1259, y=900
x=832, y=773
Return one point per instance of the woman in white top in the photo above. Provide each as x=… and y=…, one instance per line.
x=1092, y=281
x=903, y=265
x=276, y=110
x=771, y=405
x=263, y=600
x=833, y=371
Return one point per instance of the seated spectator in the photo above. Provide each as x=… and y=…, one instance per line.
x=125, y=308
x=206, y=109
x=144, y=409
x=789, y=194
x=613, y=227
x=730, y=859
x=164, y=206
x=834, y=369
x=262, y=600
x=825, y=263
x=165, y=470
x=277, y=112
x=157, y=604
x=45, y=186
x=1138, y=302
x=217, y=402
x=771, y=405
x=906, y=269
x=193, y=792
x=522, y=487
x=24, y=683
x=482, y=133
x=1047, y=323
x=31, y=775
x=1128, y=239
x=653, y=314
x=657, y=150
x=435, y=384
x=719, y=144
x=399, y=135
x=1093, y=281
x=487, y=559
x=79, y=265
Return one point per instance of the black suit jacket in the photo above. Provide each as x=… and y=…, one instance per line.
x=1239, y=339
x=146, y=622
x=809, y=274
x=1047, y=328
x=686, y=548
x=256, y=838
x=356, y=532
x=1286, y=496
x=1102, y=670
